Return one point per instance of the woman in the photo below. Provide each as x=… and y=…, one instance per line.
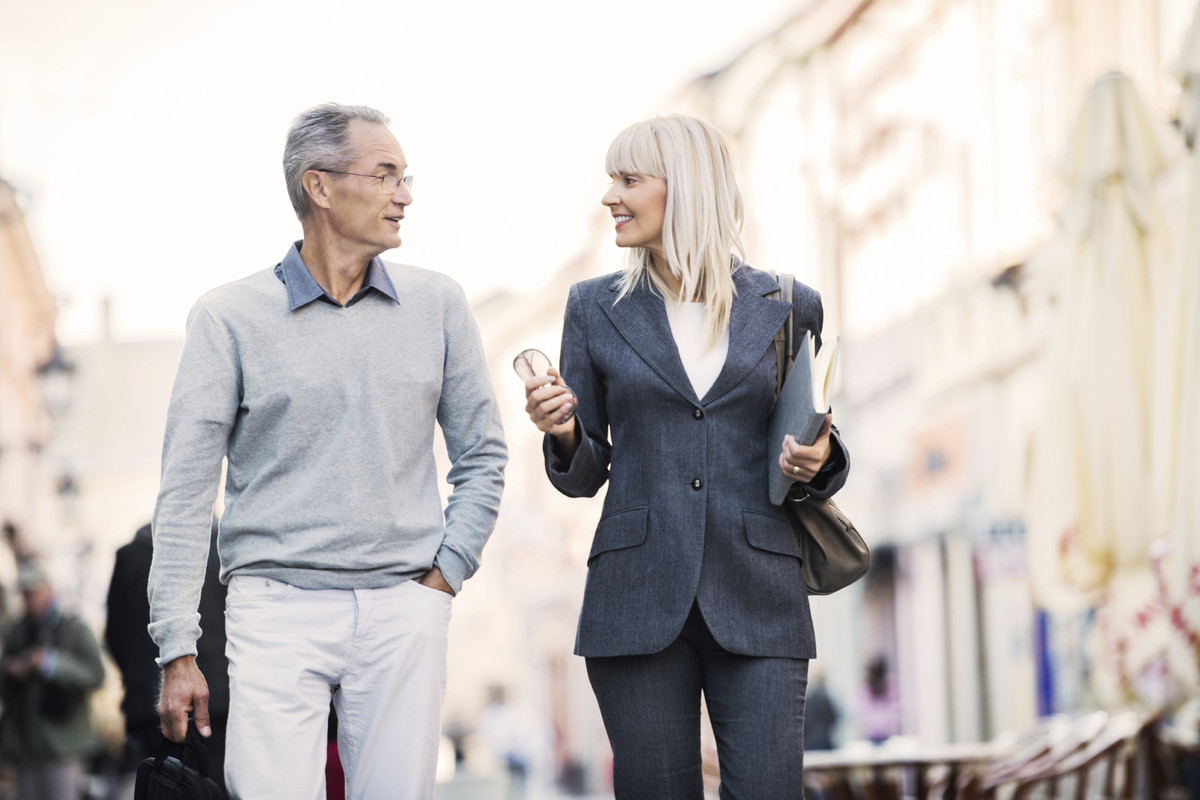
x=694, y=582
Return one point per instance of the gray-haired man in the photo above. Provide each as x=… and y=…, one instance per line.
x=321, y=381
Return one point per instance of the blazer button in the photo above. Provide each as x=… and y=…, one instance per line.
x=697, y=484
x=698, y=414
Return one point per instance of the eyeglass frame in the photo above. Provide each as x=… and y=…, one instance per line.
x=407, y=180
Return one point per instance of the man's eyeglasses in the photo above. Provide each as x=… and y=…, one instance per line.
x=387, y=183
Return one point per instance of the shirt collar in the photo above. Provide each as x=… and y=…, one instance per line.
x=302, y=288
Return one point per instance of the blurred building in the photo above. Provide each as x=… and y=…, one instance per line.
x=98, y=476
x=108, y=451
x=900, y=155
x=27, y=346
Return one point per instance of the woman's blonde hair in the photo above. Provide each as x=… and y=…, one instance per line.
x=703, y=217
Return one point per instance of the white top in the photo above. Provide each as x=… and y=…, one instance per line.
x=703, y=363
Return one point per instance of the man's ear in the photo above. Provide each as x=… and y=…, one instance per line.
x=316, y=188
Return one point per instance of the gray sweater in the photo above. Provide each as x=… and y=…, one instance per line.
x=326, y=414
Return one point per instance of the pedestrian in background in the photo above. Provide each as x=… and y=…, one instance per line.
x=879, y=702
x=49, y=668
x=512, y=736
x=135, y=654
x=322, y=381
x=694, y=585
x=820, y=714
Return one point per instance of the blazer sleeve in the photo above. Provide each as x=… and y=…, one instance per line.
x=809, y=314
x=587, y=470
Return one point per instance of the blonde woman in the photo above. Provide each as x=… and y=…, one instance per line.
x=694, y=584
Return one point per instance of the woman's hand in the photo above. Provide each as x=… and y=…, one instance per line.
x=802, y=462
x=550, y=404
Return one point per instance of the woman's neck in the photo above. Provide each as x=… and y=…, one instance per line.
x=672, y=281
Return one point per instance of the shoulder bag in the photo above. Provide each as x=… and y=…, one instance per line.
x=833, y=552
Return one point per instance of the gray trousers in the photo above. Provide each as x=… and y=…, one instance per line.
x=50, y=780
x=651, y=710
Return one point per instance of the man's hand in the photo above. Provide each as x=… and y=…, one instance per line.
x=434, y=580
x=184, y=691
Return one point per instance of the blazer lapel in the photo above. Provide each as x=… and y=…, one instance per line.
x=641, y=320
x=753, y=323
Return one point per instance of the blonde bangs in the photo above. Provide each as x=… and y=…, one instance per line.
x=635, y=151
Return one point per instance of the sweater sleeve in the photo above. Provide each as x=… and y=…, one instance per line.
x=201, y=414
x=470, y=421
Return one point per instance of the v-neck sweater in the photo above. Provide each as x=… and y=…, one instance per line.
x=327, y=416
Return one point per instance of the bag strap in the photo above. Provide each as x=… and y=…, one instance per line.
x=784, y=347
x=192, y=745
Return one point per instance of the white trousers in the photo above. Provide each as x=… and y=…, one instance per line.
x=384, y=650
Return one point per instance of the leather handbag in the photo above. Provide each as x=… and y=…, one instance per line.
x=833, y=553
x=169, y=775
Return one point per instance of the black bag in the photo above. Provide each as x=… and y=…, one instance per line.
x=169, y=776
x=833, y=552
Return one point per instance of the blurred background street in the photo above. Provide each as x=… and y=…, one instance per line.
x=998, y=200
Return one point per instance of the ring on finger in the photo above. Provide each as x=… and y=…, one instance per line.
x=795, y=470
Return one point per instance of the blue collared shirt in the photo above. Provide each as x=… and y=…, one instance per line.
x=302, y=288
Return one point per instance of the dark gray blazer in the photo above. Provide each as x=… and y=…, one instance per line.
x=686, y=516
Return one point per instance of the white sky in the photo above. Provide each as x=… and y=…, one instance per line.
x=147, y=134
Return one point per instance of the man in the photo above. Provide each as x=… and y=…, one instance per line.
x=321, y=381
x=135, y=654
x=51, y=665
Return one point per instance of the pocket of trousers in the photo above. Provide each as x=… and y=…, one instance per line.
x=422, y=587
x=248, y=588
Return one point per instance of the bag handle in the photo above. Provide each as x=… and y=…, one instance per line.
x=785, y=351
x=193, y=745
x=784, y=347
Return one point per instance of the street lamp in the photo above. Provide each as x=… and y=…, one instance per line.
x=56, y=376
